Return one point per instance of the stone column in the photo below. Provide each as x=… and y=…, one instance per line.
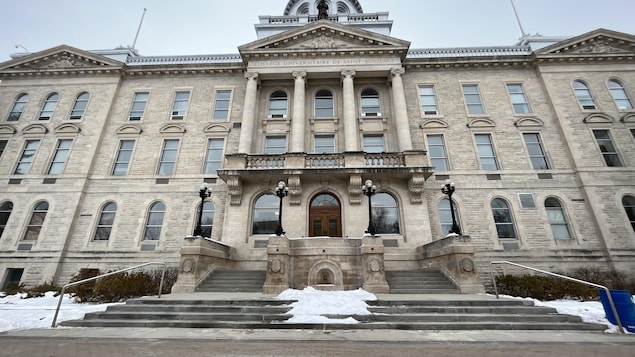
x=400, y=110
x=298, y=122
x=351, y=133
x=249, y=114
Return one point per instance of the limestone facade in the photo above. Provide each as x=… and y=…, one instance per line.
x=324, y=107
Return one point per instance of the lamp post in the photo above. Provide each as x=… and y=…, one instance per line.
x=204, y=192
x=448, y=189
x=369, y=190
x=281, y=191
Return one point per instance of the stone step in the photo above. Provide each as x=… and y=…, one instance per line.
x=233, y=281
x=420, y=281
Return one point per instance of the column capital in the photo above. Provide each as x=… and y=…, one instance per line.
x=397, y=72
x=251, y=75
x=299, y=74
x=349, y=73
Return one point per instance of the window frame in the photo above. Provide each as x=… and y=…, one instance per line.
x=330, y=147
x=55, y=159
x=630, y=213
x=493, y=150
x=539, y=144
x=553, y=224
x=270, y=209
x=6, y=208
x=431, y=152
x=422, y=102
x=218, y=100
x=510, y=223
x=394, y=209
x=209, y=163
x=22, y=160
x=621, y=89
x=444, y=212
x=136, y=114
x=273, y=112
x=513, y=96
x=273, y=149
x=3, y=146
x=165, y=162
x=40, y=209
x=476, y=95
x=19, y=105
x=117, y=162
x=48, y=106
x=365, y=145
x=77, y=111
x=317, y=98
x=607, y=154
x=369, y=110
x=102, y=226
x=176, y=113
x=149, y=225
x=584, y=95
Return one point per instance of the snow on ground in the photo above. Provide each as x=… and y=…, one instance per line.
x=17, y=313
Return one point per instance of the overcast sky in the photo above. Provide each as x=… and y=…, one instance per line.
x=181, y=27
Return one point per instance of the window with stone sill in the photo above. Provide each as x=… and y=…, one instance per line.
x=5, y=212
x=278, y=105
x=169, y=152
x=557, y=219
x=18, y=107
x=619, y=94
x=428, y=99
x=106, y=221
x=62, y=151
x=38, y=215
x=265, y=214
x=154, y=222
x=437, y=152
x=124, y=155
x=518, y=98
x=628, y=202
x=473, y=100
x=505, y=228
x=222, y=100
x=370, y=103
x=486, y=152
x=3, y=145
x=324, y=104
x=214, y=155
x=607, y=147
x=79, y=107
x=138, y=107
x=536, y=151
x=26, y=159
x=584, y=96
x=49, y=106
x=179, y=107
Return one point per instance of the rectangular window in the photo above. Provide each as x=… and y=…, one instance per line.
x=609, y=152
x=24, y=164
x=3, y=145
x=138, y=106
x=536, y=151
x=60, y=157
x=428, y=100
x=276, y=145
x=168, y=157
x=221, y=104
x=179, y=108
x=518, y=98
x=473, y=99
x=437, y=153
x=123, y=158
x=486, y=153
x=374, y=143
x=324, y=144
x=214, y=157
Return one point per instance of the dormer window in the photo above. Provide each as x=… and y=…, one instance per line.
x=370, y=103
x=278, y=105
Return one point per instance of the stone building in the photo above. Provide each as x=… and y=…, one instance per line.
x=102, y=152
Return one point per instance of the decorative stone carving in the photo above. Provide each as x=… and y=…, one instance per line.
x=188, y=266
x=295, y=190
x=416, y=187
x=64, y=61
x=355, y=190
x=599, y=46
x=467, y=265
x=235, y=190
x=251, y=76
x=299, y=74
x=348, y=74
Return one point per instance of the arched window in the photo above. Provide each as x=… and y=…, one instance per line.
x=324, y=104
x=622, y=101
x=629, y=206
x=385, y=213
x=154, y=222
x=503, y=219
x=445, y=215
x=5, y=211
x=278, y=104
x=207, y=220
x=49, y=106
x=18, y=107
x=80, y=106
x=583, y=93
x=265, y=214
x=303, y=9
x=557, y=219
x=106, y=220
x=342, y=8
x=370, y=103
x=37, y=221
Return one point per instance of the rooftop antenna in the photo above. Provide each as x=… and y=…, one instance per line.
x=522, y=31
x=22, y=47
x=139, y=29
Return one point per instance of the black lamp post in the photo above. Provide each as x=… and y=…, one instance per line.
x=448, y=189
x=281, y=191
x=369, y=190
x=204, y=192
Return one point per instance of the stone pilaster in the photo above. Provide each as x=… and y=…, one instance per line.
x=249, y=114
x=400, y=110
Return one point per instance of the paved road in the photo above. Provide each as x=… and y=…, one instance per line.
x=158, y=342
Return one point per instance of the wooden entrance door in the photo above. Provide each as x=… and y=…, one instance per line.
x=325, y=216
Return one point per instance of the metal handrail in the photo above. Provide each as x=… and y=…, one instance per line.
x=608, y=293
x=59, y=303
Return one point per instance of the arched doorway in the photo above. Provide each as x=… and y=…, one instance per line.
x=325, y=216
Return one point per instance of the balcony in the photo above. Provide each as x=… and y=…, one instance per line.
x=409, y=166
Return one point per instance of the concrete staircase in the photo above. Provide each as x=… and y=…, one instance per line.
x=421, y=281
x=440, y=312
x=244, y=281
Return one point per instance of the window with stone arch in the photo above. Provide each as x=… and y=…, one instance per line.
x=445, y=215
x=106, y=221
x=38, y=215
x=503, y=219
x=154, y=222
x=278, y=104
x=79, y=108
x=385, y=213
x=619, y=94
x=629, y=206
x=207, y=219
x=5, y=212
x=303, y=9
x=583, y=94
x=342, y=8
x=557, y=219
x=370, y=104
x=18, y=107
x=265, y=214
x=324, y=104
x=48, y=107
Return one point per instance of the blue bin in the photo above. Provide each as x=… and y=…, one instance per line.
x=624, y=305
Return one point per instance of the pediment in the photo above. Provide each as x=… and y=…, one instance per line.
x=34, y=130
x=68, y=128
x=598, y=118
x=61, y=58
x=481, y=123
x=434, y=124
x=6, y=129
x=529, y=123
x=325, y=36
x=172, y=129
x=600, y=42
x=129, y=129
x=216, y=128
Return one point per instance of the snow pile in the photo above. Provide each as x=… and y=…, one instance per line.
x=312, y=305
x=17, y=313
